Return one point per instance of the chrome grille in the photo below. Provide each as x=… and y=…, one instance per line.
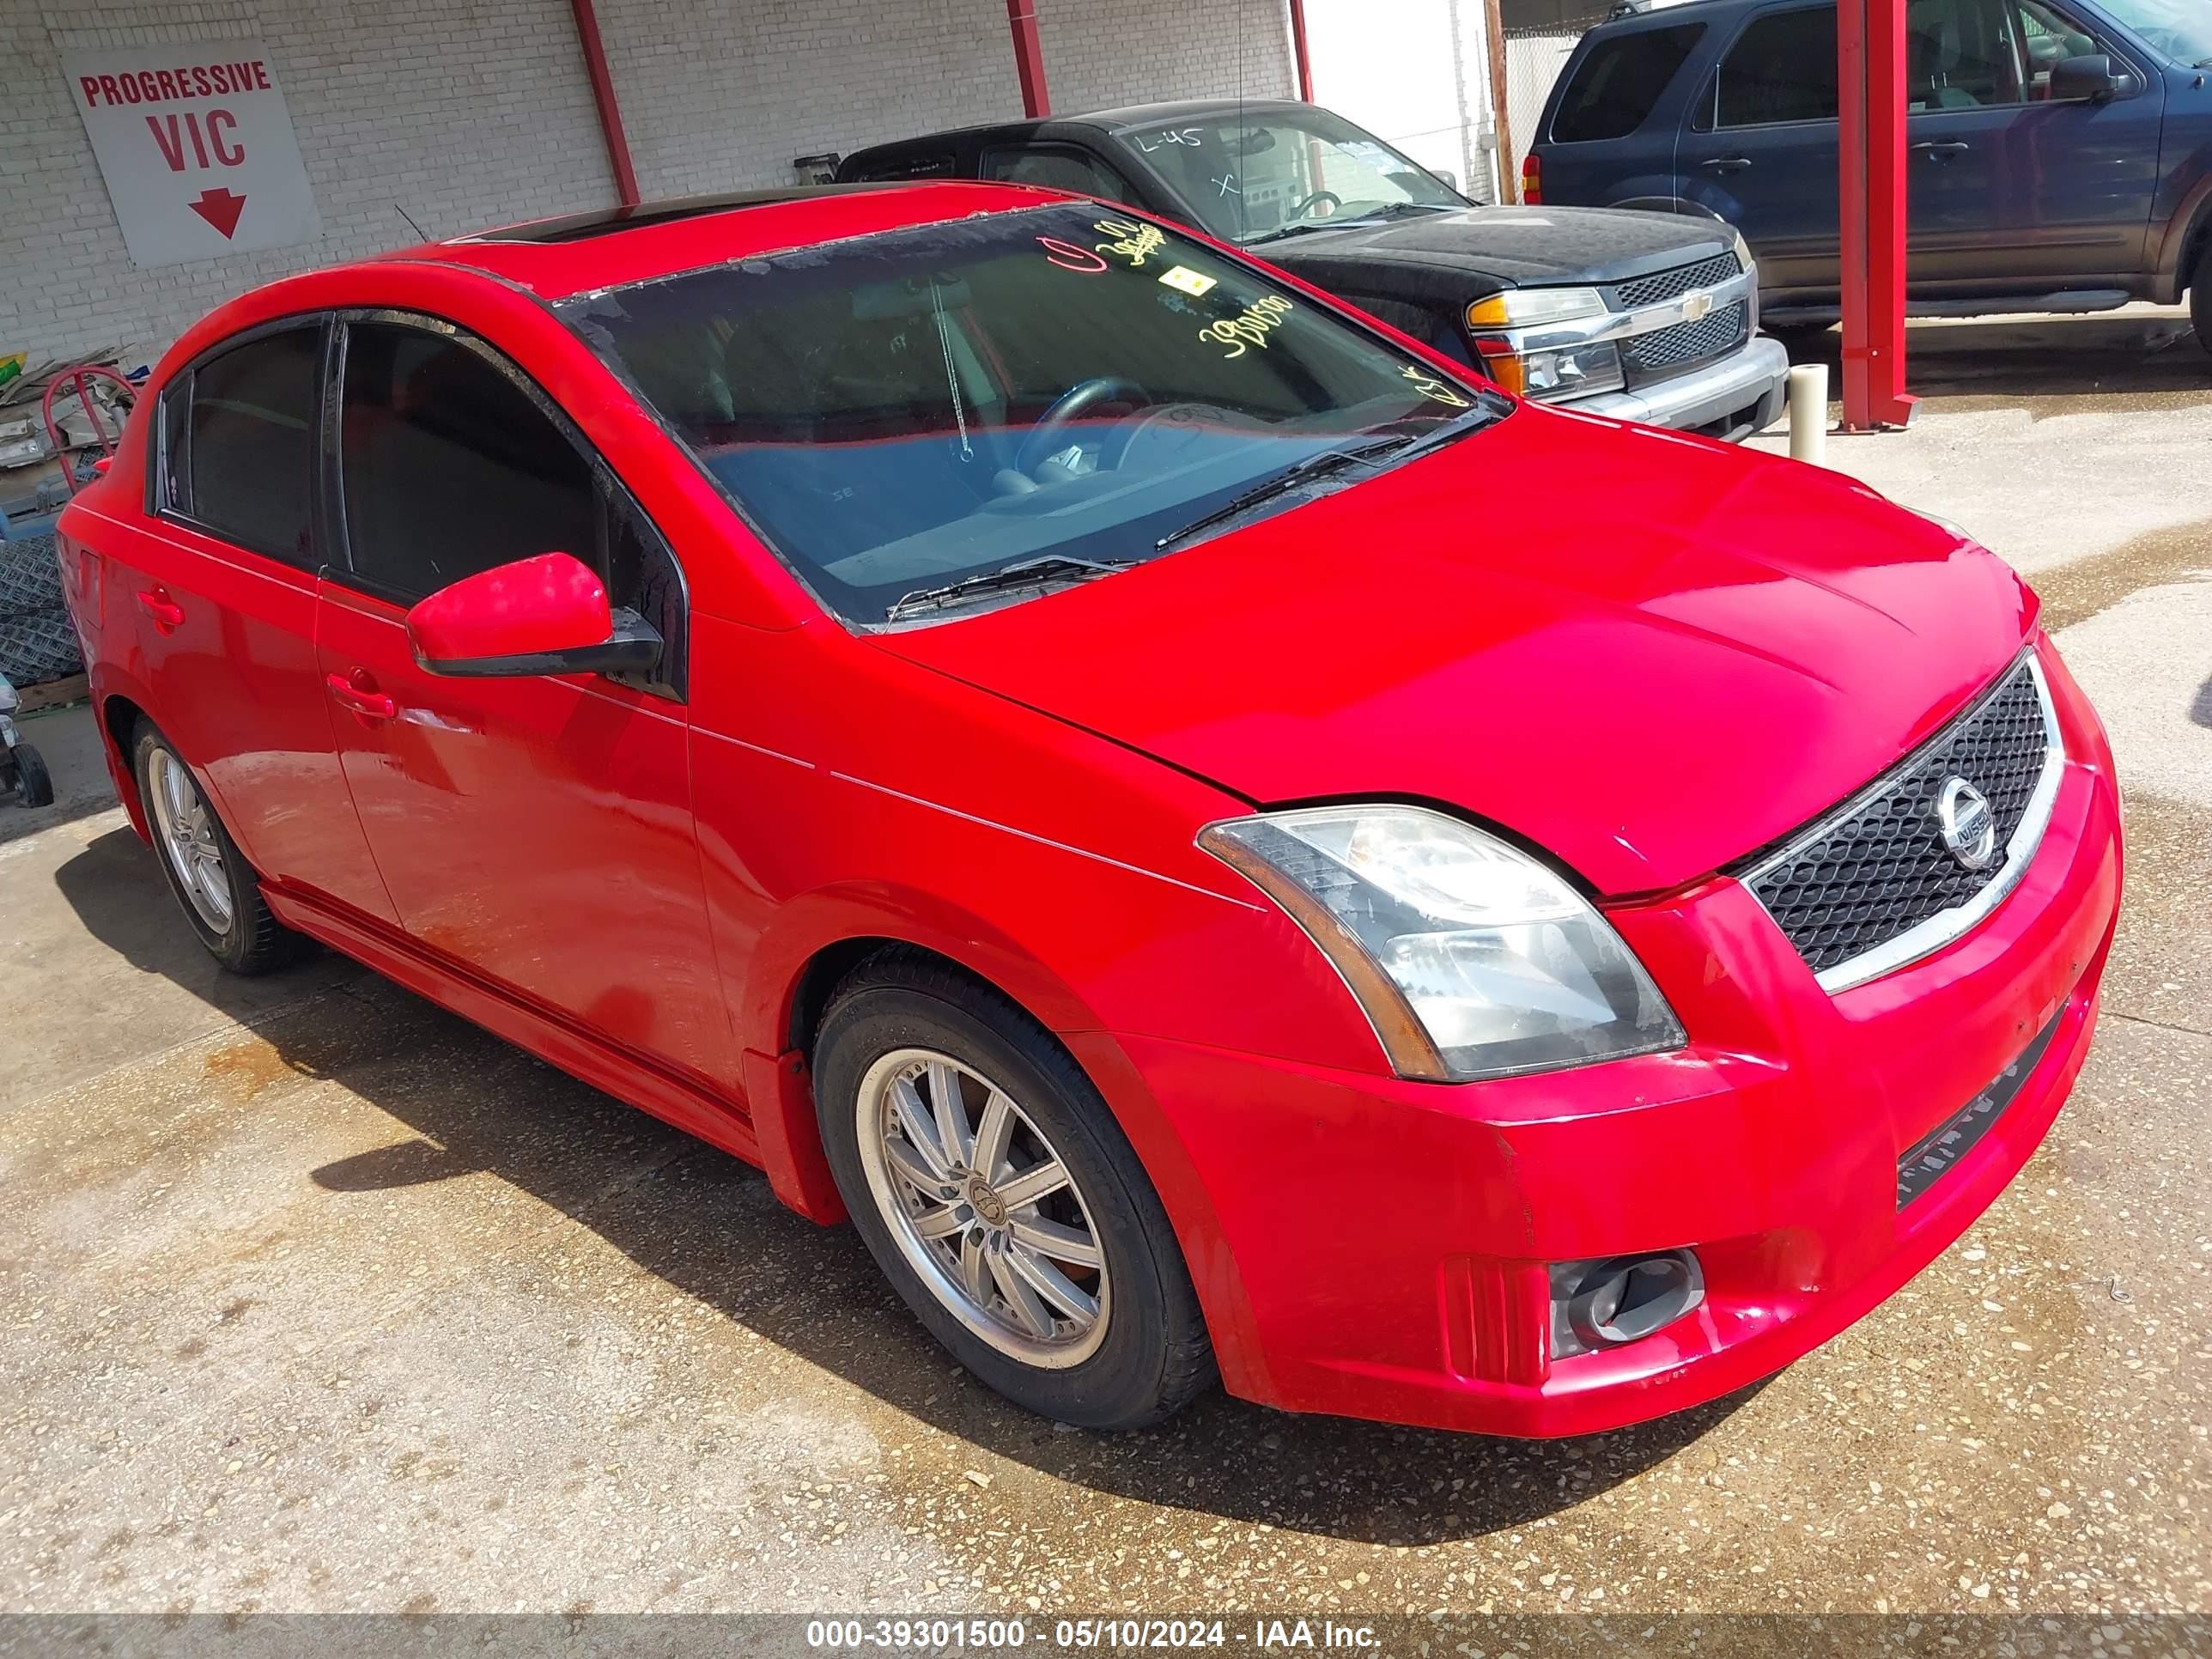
x=1687, y=343
x=1872, y=886
x=1639, y=291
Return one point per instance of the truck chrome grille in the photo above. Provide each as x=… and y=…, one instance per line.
x=1872, y=885
x=1640, y=291
x=1687, y=344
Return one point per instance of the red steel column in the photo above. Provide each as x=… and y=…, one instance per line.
x=1887, y=182
x=1029, y=58
x=1871, y=198
x=602, y=94
x=1298, y=52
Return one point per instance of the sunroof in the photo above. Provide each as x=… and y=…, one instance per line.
x=582, y=226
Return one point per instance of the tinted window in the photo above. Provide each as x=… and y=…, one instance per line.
x=247, y=469
x=1616, y=85
x=888, y=170
x=1958, y=55
x=1783, y=69
x=876, y=404
x=450, y=468
x=1055, y=169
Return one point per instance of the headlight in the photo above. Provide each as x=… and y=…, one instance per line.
x=1562, y=372
x=1471, y=959
x=1526, y=307
x=1742, y=250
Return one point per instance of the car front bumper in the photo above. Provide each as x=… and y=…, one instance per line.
x=1379, y=1248
x=1739, y=395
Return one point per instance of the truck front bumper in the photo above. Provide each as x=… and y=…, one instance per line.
x=1731, y=398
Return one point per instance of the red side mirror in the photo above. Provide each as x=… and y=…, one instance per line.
x=549, y=614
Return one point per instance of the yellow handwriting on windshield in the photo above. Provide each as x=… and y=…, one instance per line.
x=1429, y=387
x=1249, y=327
x=1134, y=242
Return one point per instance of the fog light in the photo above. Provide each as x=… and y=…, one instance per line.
x=1618, y=1299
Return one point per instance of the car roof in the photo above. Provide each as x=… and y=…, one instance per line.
x=583, y=253
x=1126, y=115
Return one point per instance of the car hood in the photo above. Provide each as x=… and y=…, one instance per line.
x=1644, y=652
x=1517, y=246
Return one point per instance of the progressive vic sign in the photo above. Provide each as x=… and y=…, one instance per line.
x=196, y=148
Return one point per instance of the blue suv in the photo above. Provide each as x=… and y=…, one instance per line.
x=2060, y=150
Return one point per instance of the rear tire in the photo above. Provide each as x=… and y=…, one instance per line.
x=1069, y=1296
x=34, y=784
x=215, y=887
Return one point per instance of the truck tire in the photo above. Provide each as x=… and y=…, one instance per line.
x=34, y=787
x=2200, y=293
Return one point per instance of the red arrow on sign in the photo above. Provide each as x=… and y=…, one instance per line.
x=220, y=208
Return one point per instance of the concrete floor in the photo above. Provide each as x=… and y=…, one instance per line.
x=313, y=1297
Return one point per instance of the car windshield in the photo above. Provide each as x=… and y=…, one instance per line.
x=1253, y=177
x=900, y=412
x=2180, y=29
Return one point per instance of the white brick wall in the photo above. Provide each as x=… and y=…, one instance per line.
x=463, y=114
x=470, y=113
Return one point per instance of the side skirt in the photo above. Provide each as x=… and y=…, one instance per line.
x=628, y=1076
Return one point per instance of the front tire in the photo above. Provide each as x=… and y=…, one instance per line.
x=993, y=1186
x=215, y=887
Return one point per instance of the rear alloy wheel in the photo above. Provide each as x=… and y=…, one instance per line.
x=999, y=1195
x=219, y=895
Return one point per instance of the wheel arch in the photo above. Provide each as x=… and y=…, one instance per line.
x=817, y=943
x=120, y=712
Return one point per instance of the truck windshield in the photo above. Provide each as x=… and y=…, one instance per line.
x=899, y=412
x=2182, y=29
x=1268, y=173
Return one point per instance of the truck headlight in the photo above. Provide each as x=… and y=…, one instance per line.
x=1560, y=373
x=1534, y=307
x=1471, y=959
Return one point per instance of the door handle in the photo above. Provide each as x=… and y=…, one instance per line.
x=167, y=613
x=358, y=693
x=1949, y=146
x=1727, y=164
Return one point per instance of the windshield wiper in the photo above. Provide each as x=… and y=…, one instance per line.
x=1022, y=573
x=1493, y=406
x=1300, y=472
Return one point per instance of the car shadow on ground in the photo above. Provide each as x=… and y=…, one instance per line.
x=708, y=1224
x=2067, y=365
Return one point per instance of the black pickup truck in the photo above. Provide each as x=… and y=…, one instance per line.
x=1651, y=317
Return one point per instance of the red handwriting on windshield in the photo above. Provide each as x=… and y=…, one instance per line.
x=1068, y=256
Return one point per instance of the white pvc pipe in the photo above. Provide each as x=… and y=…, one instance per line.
x=1809, y=413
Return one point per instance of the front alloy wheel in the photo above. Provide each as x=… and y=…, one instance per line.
x=996, y=1191
x=983, y=1208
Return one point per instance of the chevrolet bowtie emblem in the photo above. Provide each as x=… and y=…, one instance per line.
x=1695, y=305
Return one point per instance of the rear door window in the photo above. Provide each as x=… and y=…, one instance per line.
x=1783, y=68
x=1618, y=84
x=240, y=441
x=906, y=164
x=1056, y=168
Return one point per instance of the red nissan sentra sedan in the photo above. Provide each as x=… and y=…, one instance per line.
x=1219, y=839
